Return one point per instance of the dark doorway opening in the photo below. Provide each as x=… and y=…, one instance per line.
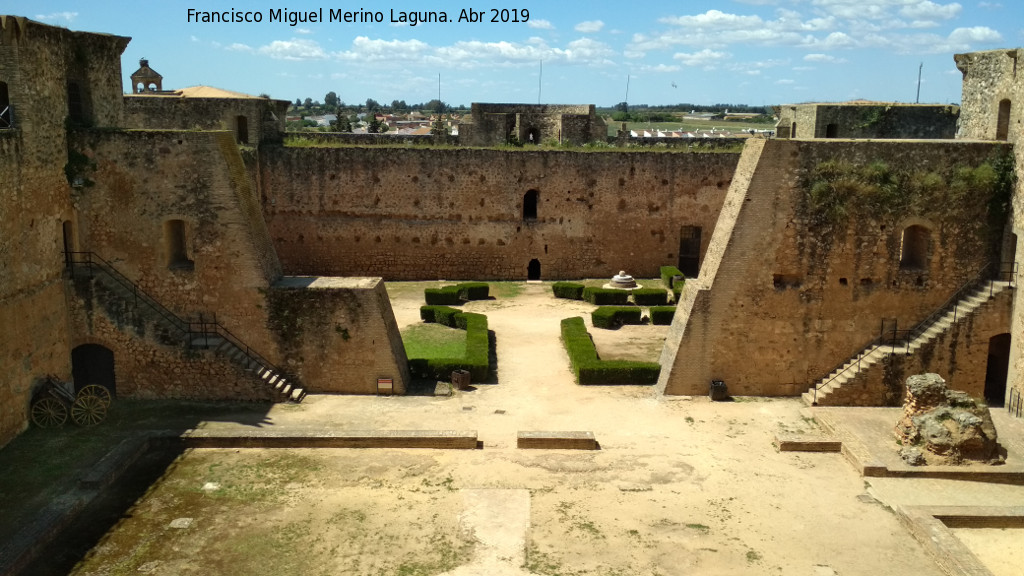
x=533, y=136
x=533, y=270
x=1003, y=123
x=689, y=251
x=995, y=372
x=93, y=364
x=832, y=131
x=914, y=247
x=530, y=205
x=76, y=110
x=792, y=130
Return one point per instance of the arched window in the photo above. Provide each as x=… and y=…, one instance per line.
x=242, y=129
x=176, y=246
x=5, y=108
x=1003, y=123
x=530, y=205
x=914, y=248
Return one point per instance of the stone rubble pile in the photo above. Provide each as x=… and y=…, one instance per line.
x=941, y=426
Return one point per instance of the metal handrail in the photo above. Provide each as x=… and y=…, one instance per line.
x=925, y=324
x=206, y=329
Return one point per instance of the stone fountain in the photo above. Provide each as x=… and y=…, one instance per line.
x=622, y=281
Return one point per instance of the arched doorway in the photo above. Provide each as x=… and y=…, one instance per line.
x=533, y=270
x=93, y=364
x=995, y=371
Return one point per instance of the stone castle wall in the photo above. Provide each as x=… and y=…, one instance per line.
x=889, y=121
x=37, y=62
x=458, y=214
x=796, y=299
x=264, y=118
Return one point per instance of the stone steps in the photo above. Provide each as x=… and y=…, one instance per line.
x=875, y=353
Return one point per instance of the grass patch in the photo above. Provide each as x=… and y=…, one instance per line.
x=433, y=341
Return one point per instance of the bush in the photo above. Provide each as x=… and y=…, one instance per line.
x=444, y=315
x=619, y=372
x=568, y=290
x=605, y=296
x=589, y=369
x=474, y=290
x=611, y=317
x=667, y=273
x=650, y=296
x=477, y=358
x=447, y=295
x=662, y=315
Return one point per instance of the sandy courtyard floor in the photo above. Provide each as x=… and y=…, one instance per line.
x=680, y=486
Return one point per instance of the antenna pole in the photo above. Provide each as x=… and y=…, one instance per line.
x=539, y=79
x=627, y=93
x=438, y=86
x=919, y=68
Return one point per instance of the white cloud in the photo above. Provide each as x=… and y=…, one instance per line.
x=541, y=24
x=823, y=58
x=660, y=68
x=475, y=53
x=974, y=34
x=927, y=9
x=303, y=31
x=785, y=81
x=705, y=57
x=239, y=47
x=294, y=49
x=57, y=17
x=590, y=26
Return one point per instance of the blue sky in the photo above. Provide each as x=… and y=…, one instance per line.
x=741, y=51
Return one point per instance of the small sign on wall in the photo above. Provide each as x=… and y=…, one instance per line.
x=385, y=386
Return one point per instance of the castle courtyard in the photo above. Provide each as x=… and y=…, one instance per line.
x=680, y=485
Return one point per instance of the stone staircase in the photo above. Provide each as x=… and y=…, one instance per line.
x=141, y=313
x=831, y=385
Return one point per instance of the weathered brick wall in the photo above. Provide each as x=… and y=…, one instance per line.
x=142, y=179
x=795, y=300
x=458, y=214
x=890, y=121
x=36, y=62
x=339, y=335
x=264, y=117
x=959, y=355
x=145, y=367
x=989, y=78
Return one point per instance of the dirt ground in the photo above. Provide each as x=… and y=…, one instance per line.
x=680, y=485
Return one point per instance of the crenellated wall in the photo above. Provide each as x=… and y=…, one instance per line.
x=410, y=214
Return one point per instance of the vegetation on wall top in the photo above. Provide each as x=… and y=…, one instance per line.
x=837, y=191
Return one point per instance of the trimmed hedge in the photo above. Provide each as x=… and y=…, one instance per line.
x=444, y=315
x=611, y=317
x=667, y=273
x=589, y=369
x=650, y=296
x=605, y=296
x=477, y=358
x=442, y=296
x=568, y=290
x=474, y=290
x=662, y=315
x=454, y=295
